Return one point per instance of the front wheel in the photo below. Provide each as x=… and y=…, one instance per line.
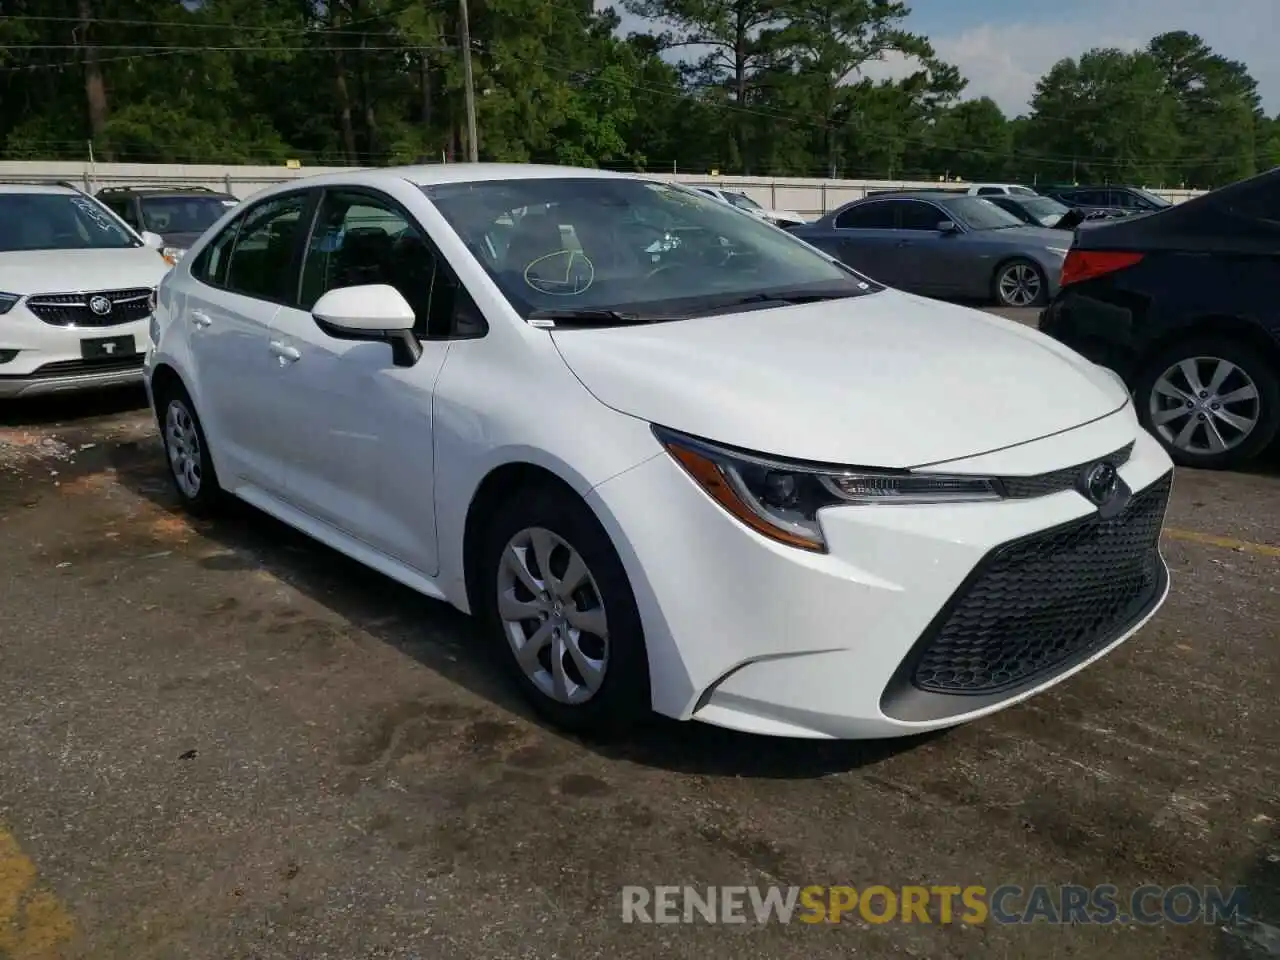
x=557, y=601
x=1021, y=283
x=1212, y=402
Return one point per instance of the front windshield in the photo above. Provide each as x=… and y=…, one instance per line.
x=977, y=213
x=182, y=214
x=1043, y=207
x=1022, y=191
x=58, y=221
x=743, y=201
x=629, y=245
x=1153, y=199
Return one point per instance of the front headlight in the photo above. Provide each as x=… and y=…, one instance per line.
x=8, y=301
x=172, y=254
x=781, y=499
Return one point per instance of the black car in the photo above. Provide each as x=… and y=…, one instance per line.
x=179, y=214
x=1108, y=200
x=1182, y=304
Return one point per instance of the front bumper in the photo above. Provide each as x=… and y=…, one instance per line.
x=46, y=358
x=756, y=636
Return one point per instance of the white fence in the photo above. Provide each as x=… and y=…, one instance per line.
x=807, y=197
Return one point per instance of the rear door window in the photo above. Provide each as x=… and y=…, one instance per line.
x=868, y=216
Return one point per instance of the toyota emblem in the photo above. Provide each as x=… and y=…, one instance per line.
x=100, y=306
x=1100, y=482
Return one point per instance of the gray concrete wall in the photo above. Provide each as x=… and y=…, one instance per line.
x=807, y=197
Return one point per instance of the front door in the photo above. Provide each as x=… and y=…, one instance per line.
x=363, y=461
x=926, y=259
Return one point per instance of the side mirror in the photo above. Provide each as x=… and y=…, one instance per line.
x=374, y=313
x=152, y=240
x=948, y=226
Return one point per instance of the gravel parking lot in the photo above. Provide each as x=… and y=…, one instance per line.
x=224, y=740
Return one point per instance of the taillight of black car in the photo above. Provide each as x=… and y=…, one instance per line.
x=1082, y=265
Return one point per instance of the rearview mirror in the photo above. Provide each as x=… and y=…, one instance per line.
x=374, y=313
x=153, y=240
x=948, y=226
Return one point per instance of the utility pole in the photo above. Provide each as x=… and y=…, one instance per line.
x=473, y=147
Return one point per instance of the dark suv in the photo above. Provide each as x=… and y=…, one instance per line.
x=1110, y=200
x=179, y=214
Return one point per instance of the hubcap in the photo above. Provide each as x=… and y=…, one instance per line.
x=1020, y=285
x=553, y=615
x=1204, y=405
x=183, y=445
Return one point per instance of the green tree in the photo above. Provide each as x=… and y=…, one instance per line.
x=1217, y=110
x=1107, y=118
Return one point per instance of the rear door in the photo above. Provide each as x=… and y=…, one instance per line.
x=244, y=276
x=863, y=237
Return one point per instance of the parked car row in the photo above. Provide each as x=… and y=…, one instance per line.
x=1178, y=299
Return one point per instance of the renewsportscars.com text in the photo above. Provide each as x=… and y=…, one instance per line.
x=941, y=904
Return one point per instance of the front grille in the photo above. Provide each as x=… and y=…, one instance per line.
x=72, y=309
x=1044, y=484
x=1036, y=604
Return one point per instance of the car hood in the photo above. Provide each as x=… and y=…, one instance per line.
x=182, y=241
x=884, y=380
x=789, y=215
x=52, y=271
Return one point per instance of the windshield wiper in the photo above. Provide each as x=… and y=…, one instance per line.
x=786, y=297
x=568, y=317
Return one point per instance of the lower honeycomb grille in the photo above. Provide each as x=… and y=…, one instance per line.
x=1036, y=604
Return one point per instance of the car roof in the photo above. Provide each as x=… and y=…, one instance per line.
x=176, y=190
x=427, y=175
x=911, y=195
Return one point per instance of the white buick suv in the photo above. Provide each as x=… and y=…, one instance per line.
x=76, y=285
x=673, y=458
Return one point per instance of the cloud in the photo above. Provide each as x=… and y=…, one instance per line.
x=1003, y=58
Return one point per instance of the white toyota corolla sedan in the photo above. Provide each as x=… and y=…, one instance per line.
x=672, y=457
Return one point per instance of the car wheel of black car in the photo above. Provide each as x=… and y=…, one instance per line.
x=1020, y=283
x=1213, y=402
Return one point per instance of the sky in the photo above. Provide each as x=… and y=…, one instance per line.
x=1004, y=46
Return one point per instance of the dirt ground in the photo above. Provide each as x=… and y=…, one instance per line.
x=222, y=740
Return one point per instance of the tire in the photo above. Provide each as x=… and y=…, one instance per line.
x=1014, y=278
x=1253, y=368
x=553, y=522
x=187, y=452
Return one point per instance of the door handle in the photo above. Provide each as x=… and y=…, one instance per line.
x=201, y=319
x=285, y=354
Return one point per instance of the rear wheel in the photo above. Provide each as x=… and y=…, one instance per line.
x=1212, y=402
x=557, y=601
x=187, y=452
x=1020, y=283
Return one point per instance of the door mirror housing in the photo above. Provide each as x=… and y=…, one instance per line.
x=152, y=240
x=373, y=313
x=948, y=226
